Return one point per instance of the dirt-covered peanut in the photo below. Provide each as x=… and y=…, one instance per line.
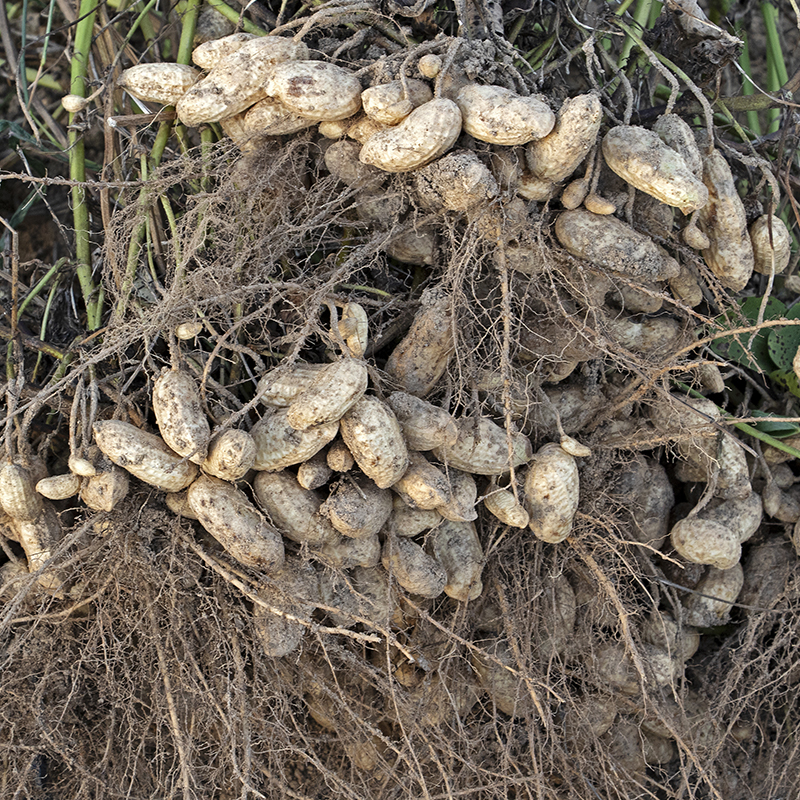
x=502, y=504
x=724, y=221
x=611, y=243
x=208, y=54
x=505, y=687
x=373, y=436
x=267, y=117
x=706, y=542
x=179, y=414
x=231, y=455
x=314, y=472
x=424, y=425
x=482, y=448
x=615, y=668
x=346, y=553
x=293, y=510
x=413, y=568
x=552, y=492
x=456, y=546
x=226, y=513
x=358, y=508
x=676, y=133
x=422, y=484
x=428, y=132
x=335, y=390
x=644, y=334
x=237, y=81
x=458, y=181
x=647, y=492
x=500, y=116
x=145, y=455
x=783, y=505
x=718, y=590
x=463, y=496
x=102, y=492
x=389, y=104
x=341, y=159
x=280, y=387
x=18, y=495
x=316, y=90
x=178, y=503
x=354, y=328
x=661, y=629
x=623, y=743
x=339, y=458
x=81, y=466
x=641, y=158
x=39, y=537
x=555, y=630
x=556, y=156
x=413, y=246
x=279, y=445
x=598, y=205
x=59, y=487
x=408, y=521
x=159, y=83
x=740, y=514
x=772, y=244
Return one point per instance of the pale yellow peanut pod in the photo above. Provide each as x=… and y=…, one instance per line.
x=422, y=484
x=102, y=492
x=645, y=489
x=598, y=205
x=781, y=505
x=575, y=193
x=188, y=330
x=315, y=472
x=209, y=54
x=661, y=630
x=456, y=546
x=706, y=542
x=333, y=393
x=686, y=287
x=341, y=159
x=413, y=246
x=463, y=497
x=346, y=553
x=770, y=250
x=18, y=495
x=267, y=117
x=81, y=466
x=428, y=132
x=38, y=538
x=482, y=448
x=552, y=492
x=458, y=181
x=424, y=425
x=279, y=445
x=339, y=458
x=694, y=237
x=676, y=134
x=59, y=487
x=337, y=128
x=506, y=689
x=227, y=514
x=362, y=129
x=372, y=434
x=557, y=155
x=721, y=585
x=574, y=447
x=646, y=334
x=502, y=504
x=733, y=474
x=279, y=388
x=610, y=243
x=74, y=103
x=159, y=83
x=641, y=158
x=316, y=90
x=723, y=219
x=231, y=455
x=409, y=522
x=293, y=510
x=181, y=421
x=354, y=329
x=178, y=503
x=237, y=81
x=388, y=104
x=430, y=65
x=357, y=508
x=413, y=568
x=539, y=190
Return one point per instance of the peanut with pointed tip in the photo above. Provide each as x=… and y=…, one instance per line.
x=38, y=538
x=81, y=466
x=59, y=487
x=388, y=104
x=339, y=458
x=463, y=496
x=705, y=541
x=413, y=568
x=552, y=492
x=279, y=445
x=482, y=448
x=188, y=330
x=772, y=244
x=159, y=83
x=279, y=388
x=18, y=495
x=425, y=426
x=354, y=329
x=423, y=485
x=314, y=472
x=179, y=415
x=502, y=504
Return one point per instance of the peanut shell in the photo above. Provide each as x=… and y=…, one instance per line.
x=423, y=485
x=179, y=414
x=59, y=487
x=706, y=542
x=280, y=387
x=159, y=83
x=776, y=251
x=676, y=133
x=279, y=445
x=354, y=329
x=209, y=54
x=722, y=587
x=413, y=568
x=388, y=104
x=409, y=522
x=463, y=496
x=358, y=508
x=316, y=90
x=18, y=496
x=346, y=553
x=314, y=472
x=458, y=181
x=502, y=504
x=455, y=545
x=231, y=455
x=102, y=492
x=552, y=493
x=424, y=425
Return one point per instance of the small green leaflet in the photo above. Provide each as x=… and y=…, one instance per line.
x=775, y=426
x=740, y=349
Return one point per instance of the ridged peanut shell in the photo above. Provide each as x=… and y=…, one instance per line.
x=59, y=487
x=358, y=508
x=722, y=588
x=333, y=393
x=676, y=134
x=179, y=414
x=413, y=568
x=102, y=492
x=426, y=133
x=456, y=546
x=231, y=455
x=458, y=181
x=346, y=553
x=505, y=688
x=279, y=388
x=267, y=117
x=18, y=495
x=641, y=158
x=227, y=514
x=388, y=104
x=661, y=630
x=314, y=472
x=178, y=503
x=339, y=458
x=703, y=541
x=279, y=445
x=777, y=251
x=423, y=485
x=409, y=522
x=463, y=496
x=372, y=434
x=502, y=504
x=316, y=90
x=354, y=328
x=424, y=425
x=497, y=115
x=209, y=54
x=159, y=83
x=552, y=492
x=38, y=538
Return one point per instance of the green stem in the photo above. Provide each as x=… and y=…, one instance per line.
x=40, y=285
x=748, y=89
x=234, y=16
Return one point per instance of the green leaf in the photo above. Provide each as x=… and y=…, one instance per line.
x=775, y=426
x=784, y=342
x=748, y=349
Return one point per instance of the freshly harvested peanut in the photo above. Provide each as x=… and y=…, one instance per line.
x=646, y=490
x=231, y=455
x=413, y=568
x=557, y=155
x=529, y=187
x=357, y=508
x=723, y=219
x=38, y=538
x=455, y=545
x=502, y=504
x=740, y=514
x=237, y=81
x=388, y=103
x=362, y=129
x=413, y=246
x=657, y=750
x=280, y=387
x=706, y=542
x=772, y=244
x=642, y=159
x=226, y=513
x=598, y=205
x=18, y=495
x=372, y=434
x=424, y=425
x=422, y=484
x=102, y=492
x=316, y=90
x=463, y=496
x=267, y=117
x=693, y=420
x=188, y=330
x=315, y=472
x=428, y=132
x=590, y=714
x=159, y=83
x=575, y=193
x=339, y=458
x=81, y=466
x=430, y=65
x=279, y=445
x=645, y=334
x=482, y=448
x=409, y=522
x=294, y=511
x=335, y=390
x=208, y=54
x=552, y=492
x=505, y=688
x=458, y=181
x=676, y=133
x=661, y=630
x=610, y=243
x=614, y=667
x=74, y=103
x=337, y=128
x=354, y=329
x=781, y=505
x=59, y=487
x=721, y=585
x=341, y=159
x=144, y=455
x=178, y=503
x=623, y=743
x=686, y=287
x=346, y=553
x=179, y=414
